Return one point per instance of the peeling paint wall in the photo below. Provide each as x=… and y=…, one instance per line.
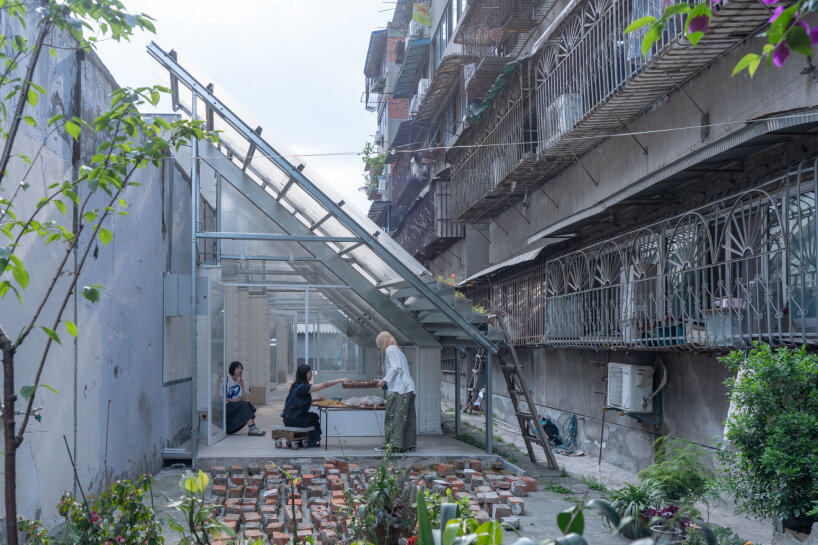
x=113, y=406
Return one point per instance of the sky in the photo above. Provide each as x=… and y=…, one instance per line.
x=296, y=66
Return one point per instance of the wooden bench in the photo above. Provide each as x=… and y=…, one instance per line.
x=293, y=437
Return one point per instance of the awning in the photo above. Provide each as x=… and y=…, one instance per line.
x=375, y=54
x=522, y=258
x=410, y=133
x=412, y=63
x=494, y=90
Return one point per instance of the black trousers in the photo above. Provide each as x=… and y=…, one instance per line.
x=238, y=413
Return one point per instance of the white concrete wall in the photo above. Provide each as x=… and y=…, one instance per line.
x=119, y=353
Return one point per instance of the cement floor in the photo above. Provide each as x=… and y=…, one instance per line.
x=588, y=466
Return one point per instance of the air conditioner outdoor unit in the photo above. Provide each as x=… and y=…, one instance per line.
x=414, y=104
x=423, y=86
x=382, y=184
x=630, y=387
x=379, y=137
x=415, y=29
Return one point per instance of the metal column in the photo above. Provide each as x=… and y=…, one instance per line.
x=306, y=327
x=457, y=391
x=194, y=228
x=489, y=430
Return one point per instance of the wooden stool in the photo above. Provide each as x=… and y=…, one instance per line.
x=294, y=437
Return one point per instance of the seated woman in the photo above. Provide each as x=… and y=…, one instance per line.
x=239, y=410
x=296, y=411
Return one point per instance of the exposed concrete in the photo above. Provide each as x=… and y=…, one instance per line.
x=119, y=352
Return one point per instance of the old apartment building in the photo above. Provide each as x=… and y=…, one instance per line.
x=618, y=208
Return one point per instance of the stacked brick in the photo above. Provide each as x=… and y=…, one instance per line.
x=256, y=502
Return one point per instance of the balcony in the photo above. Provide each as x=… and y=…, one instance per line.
x=428, y=230
x=718, y=277
x=590, y=80
x=417, y=47
x=446, y=74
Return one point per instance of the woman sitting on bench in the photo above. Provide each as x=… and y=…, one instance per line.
x=296, y=411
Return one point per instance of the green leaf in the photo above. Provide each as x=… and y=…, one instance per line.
x=606, y=510
x=60, y=206
x=54, y=118
x=27, y=391
x=91, y=293
x=676, y=9
x=73, y=129
x=450, y=532
x=425, y=536
x=651, y=37
x=639, y=23
x=30, y=120
x=798, y=40
x=745, y=62
x=72, y=328
x=203, y=480
x=52, y=52
x=775, y=33
x=104, y=235
x=694, y=37
x=20, y=274
x=576, y=539
x=32, y=97
x=569, y=526
x=51, y=333
x=190, y=484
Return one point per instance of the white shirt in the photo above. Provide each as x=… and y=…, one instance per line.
x=232, y=389
x=397, y=377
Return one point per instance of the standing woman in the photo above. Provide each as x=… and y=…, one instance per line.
x=239, y=410
x=400, y=422
x=296, y=411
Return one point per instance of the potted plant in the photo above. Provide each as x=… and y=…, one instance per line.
x=666, y=524
x=771, y=463
x=678, y=470
x=630, y=502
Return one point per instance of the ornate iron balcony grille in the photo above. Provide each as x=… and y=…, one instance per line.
x=740, y=270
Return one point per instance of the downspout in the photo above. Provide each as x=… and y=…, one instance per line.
x=194, y=217
x=76, y=151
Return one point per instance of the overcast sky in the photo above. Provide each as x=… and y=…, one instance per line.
x=296, y=66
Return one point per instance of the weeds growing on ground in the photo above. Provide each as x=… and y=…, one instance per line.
x=594, y=483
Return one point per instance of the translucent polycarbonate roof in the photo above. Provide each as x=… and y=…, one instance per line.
x=268, y=175
x=317, y=204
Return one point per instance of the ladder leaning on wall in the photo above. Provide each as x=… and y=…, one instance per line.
x=518, y=391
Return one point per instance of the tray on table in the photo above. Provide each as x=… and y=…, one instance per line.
x=360, y=384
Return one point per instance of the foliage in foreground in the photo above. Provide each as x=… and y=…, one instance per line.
x=787, y=30
x=772, y=465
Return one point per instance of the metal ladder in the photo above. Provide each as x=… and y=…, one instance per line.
x=529, y=421
x=472, y=390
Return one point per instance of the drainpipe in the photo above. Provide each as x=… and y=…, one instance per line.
x=489, y=430
x=194, y=211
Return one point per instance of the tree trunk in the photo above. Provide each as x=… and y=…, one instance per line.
x=9, y=440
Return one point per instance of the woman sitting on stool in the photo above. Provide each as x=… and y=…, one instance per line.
x=296, y=411
x=239, y=410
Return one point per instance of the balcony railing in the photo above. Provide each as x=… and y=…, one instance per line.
x=590, y=80
x=723, y=276
x=428, y=230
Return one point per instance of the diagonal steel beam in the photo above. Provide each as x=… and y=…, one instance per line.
x=316, y=193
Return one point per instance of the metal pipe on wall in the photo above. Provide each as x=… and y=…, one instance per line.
x=194, y=216
x=489, y=430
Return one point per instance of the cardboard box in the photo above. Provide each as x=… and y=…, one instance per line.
x=257, y=396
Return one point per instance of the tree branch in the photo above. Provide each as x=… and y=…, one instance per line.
x=68, y=293
x=21, y=100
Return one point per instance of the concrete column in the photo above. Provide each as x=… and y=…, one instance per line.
x=282, y=350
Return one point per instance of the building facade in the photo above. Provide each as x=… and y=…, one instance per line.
x=615, y=207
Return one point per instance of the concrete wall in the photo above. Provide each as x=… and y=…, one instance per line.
x=111, y=377
x=566, y=382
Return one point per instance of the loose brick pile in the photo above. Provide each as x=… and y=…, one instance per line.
x=255, y=501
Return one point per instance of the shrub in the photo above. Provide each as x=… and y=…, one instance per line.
x=678, y=470
x=773, y=469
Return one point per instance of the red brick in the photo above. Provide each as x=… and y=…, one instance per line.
x=517, y=506
x=475, y=464
x=250, y=516
x=251, y=492
x=253, y=535
x=531, y=484
x=444, y=469
x=280, y=538
x=274, y=527
x=220, y=490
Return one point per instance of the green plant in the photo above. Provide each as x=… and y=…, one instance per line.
x=772, y=468
x=594, y=483
x=118, y=516
x=199, y=523
x=433, y=501
x=678, y=470
x=480, y=310
x=374, y=164
x=726, y=536
x=564, y=472
x=385, y=512
x=788, y=30
x=559, y=489
x=632, y=500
